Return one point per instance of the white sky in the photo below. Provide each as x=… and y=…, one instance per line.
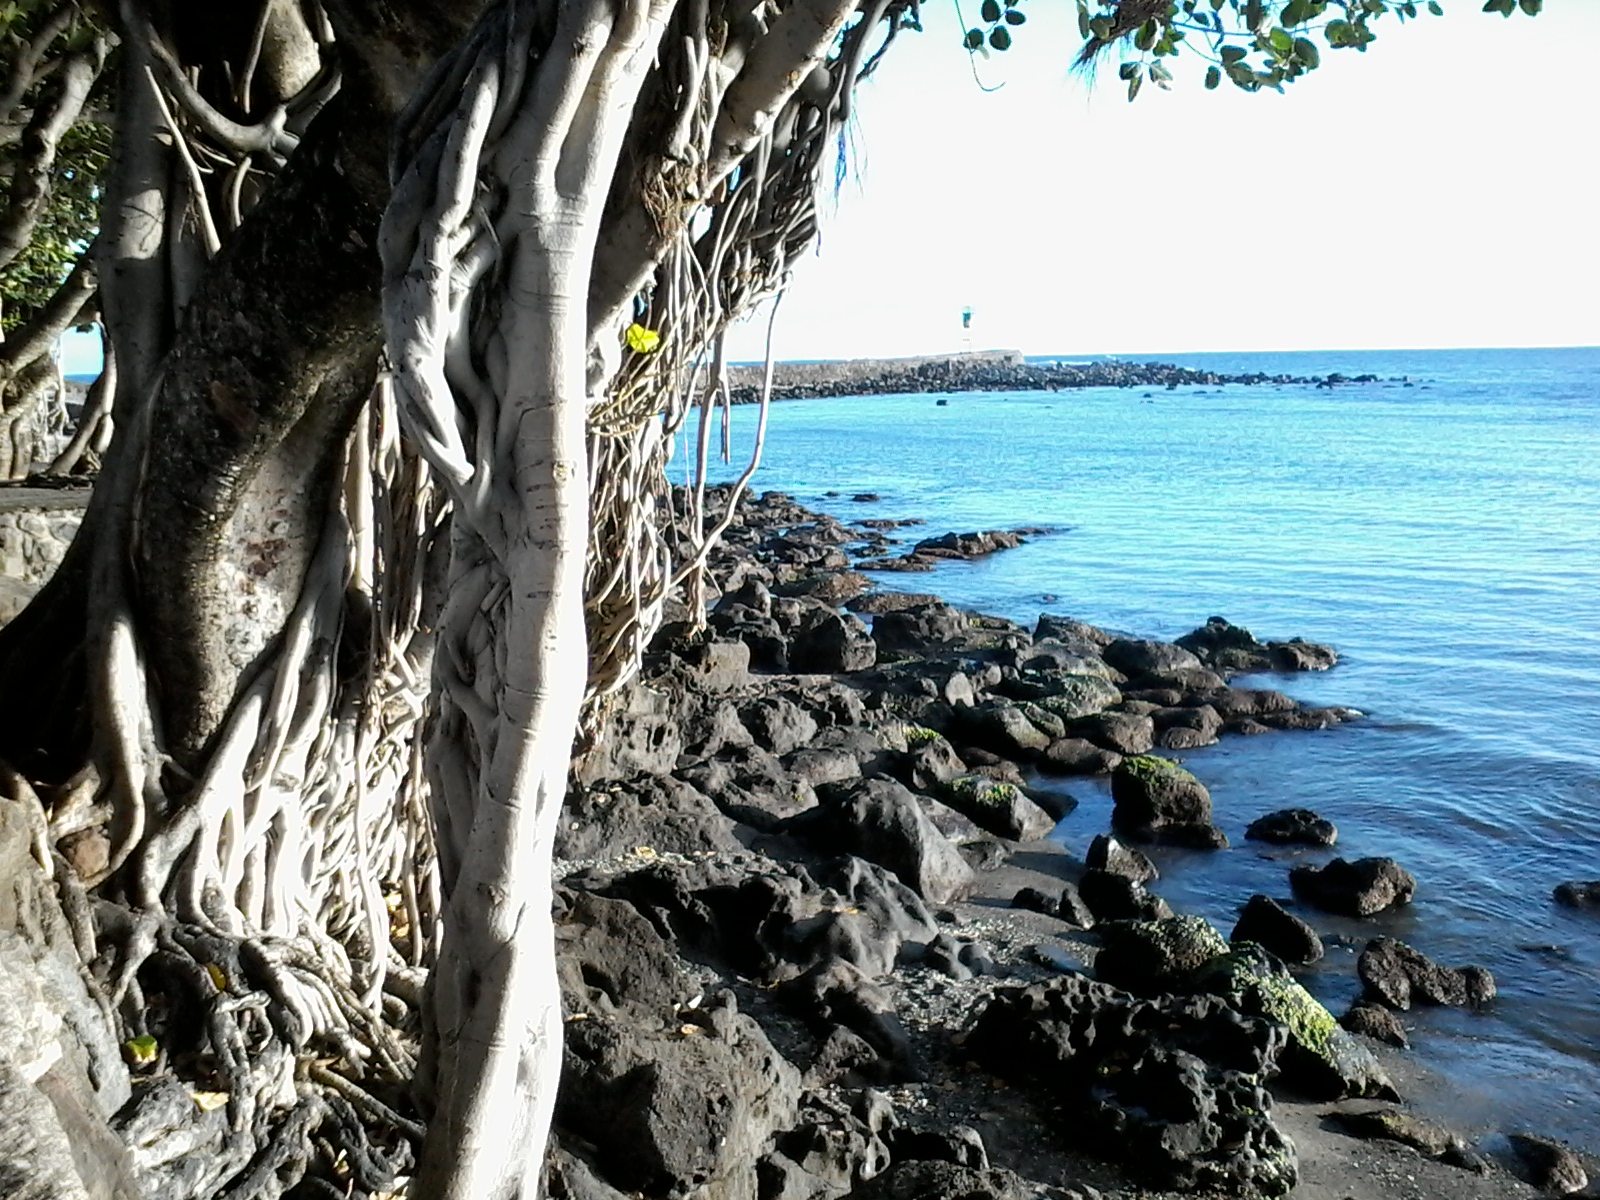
x=1439, y=190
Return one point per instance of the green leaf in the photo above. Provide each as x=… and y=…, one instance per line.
x=1531, y=7
x=990, y=11
x=1307, y=53
x=1000, y=38
x=1213, y=77
x=1280, y=41
x=1133, y=87
x=1232, y=54
x=1127, y=70
x=1433, y=7
x=141, y=1050
x=974, y=39
x=1296, y=12
x=1015, y=16
x=1083, y=20
x=1146, y=37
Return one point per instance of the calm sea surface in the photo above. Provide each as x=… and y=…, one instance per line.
x=1445, y=537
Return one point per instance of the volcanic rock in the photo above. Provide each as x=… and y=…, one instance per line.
x=1293, y=827
x=1354, y=889
x=1396, y=975
x=1266, y=923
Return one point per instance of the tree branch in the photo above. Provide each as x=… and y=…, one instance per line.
x=30, y=186
x=24, y=72
x=777, y=65
x=60, y=313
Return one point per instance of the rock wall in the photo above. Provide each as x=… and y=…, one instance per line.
x=36, y=527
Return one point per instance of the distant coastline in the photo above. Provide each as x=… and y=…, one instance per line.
x=985, y=371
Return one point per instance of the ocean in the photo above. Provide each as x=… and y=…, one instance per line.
x=1443, y=536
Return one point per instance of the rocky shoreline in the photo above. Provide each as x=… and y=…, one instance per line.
x=815, y=942
x=1004, y=371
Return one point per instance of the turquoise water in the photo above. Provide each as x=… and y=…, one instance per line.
x=1443, y=536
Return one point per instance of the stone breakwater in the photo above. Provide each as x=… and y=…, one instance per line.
x=987, y=371
x=816, y=944
x=36, y=527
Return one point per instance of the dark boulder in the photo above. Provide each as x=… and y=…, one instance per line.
x=608, y=956
x=1149, y=958
x=959, y=1144
x=1426, y=1138
x=1173, y=1087
x=713, y=665
x=1001, y=808
x=778, y=724
x=836, y=993
x=928, y=627
x=1002, y=728
x=833, y=643
x=1398, y=976
x=879, y=820
x=1292, y=827
x=1354, y=889
x=1134, y=657
x=1034, y=900
x=663, y=813
x=1068, y=631
x=670, y=1113
x=1268, y=924
x=1157, y=800
x=1551, y=1167
x=1112, y=897
x=641, y=735
x=1186, y=728
x=1375, y=1021
x=1077, y=756
x=1231, y=648
x=1578, y=894
x=1122, y=733
x=1105, y=853
x=1321, y=1061
x=929, y=1179
x=1073, y=909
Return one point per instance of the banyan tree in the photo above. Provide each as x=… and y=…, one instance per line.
x=405, y=305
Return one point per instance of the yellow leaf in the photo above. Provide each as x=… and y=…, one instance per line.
x=141, y=1050
x=642, y=340
x=691, y=1031
x=218, y=979
x=209, y=1101
x=644, y=852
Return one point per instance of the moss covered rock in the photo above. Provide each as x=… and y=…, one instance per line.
x=1157, y=800
x=1322, y=1061
x=1152, y=957
x=1000, y=808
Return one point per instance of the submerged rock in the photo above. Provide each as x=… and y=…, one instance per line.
x=1354, y=889
x=1292, y=827
x=1396, y=975
x=1577, y=894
